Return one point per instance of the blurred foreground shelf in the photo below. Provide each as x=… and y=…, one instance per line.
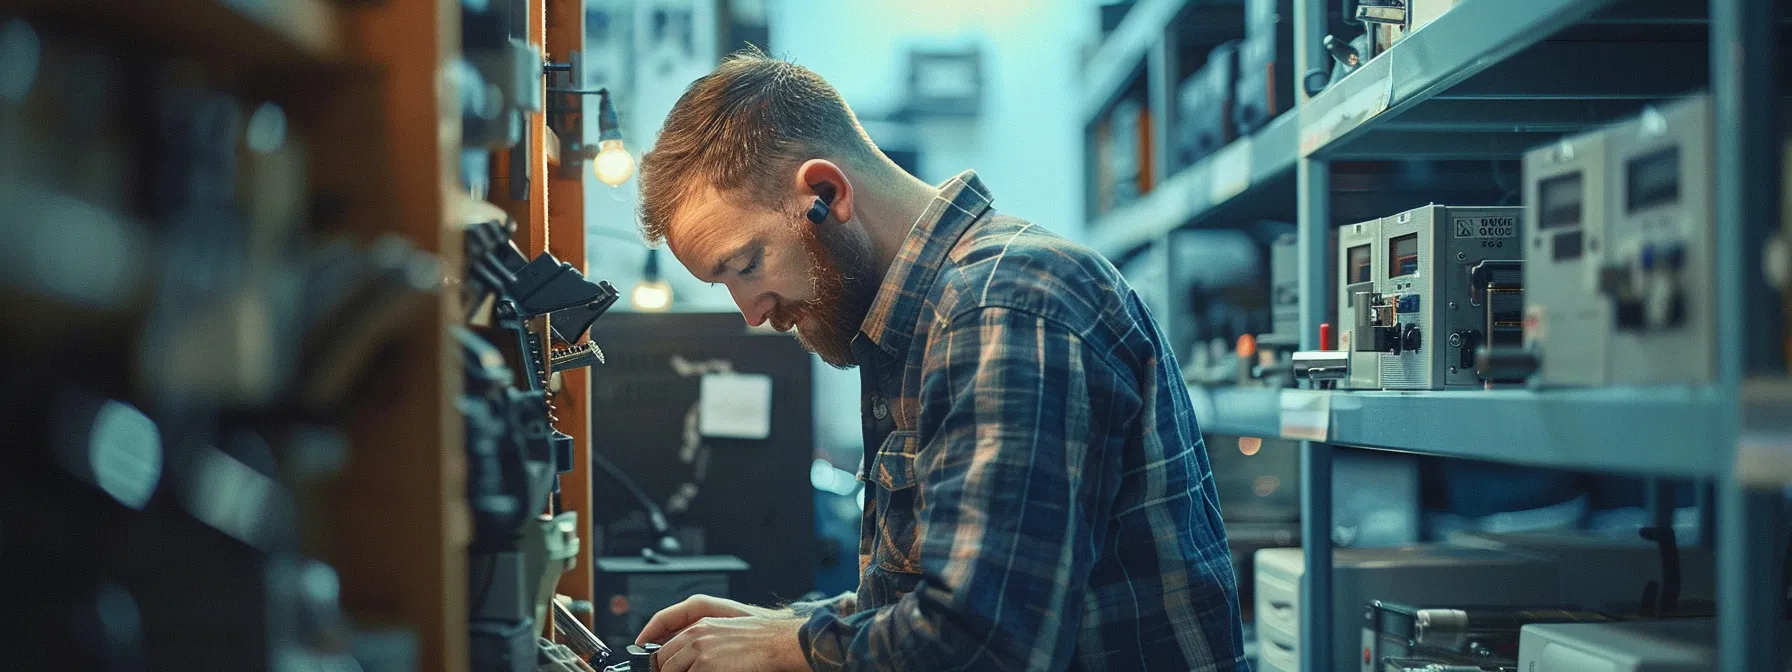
x=247, y=34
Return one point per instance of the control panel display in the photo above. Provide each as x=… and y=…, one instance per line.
x=1560, y=201
x=1652, y=180
x=1360, y=261
x=1403, y=255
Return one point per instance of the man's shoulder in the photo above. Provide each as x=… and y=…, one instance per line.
x=1008, y=262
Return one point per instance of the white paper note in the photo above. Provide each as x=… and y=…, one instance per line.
x=735, y=406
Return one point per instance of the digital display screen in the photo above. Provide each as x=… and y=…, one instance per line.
x=1403, y=255
x=1652, y=179
x=1559, y=201
x=1360, y=265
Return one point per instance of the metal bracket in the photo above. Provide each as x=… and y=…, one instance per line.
x=566, y=113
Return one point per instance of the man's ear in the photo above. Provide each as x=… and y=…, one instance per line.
x=821, y=178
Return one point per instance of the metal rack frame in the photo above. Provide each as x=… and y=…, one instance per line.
x=1463, y=87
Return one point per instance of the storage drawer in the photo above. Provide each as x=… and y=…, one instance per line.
x=1277, y=649
x=1278, y=602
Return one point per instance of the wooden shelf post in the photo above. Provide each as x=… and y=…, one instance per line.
x=566, y=239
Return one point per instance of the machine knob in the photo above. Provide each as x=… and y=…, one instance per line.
x=1409, y=338
x=640, y=657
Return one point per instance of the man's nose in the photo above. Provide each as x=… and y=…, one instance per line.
x=755, y=308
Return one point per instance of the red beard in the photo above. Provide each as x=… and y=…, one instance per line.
x=844, y=292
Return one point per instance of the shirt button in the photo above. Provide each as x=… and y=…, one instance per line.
x=878, y=409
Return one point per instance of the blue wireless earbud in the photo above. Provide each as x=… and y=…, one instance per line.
x=818, y=212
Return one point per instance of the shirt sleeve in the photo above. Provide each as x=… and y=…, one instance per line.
x=1012, y=506
x=843, y=604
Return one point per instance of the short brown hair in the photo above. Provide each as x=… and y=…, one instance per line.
x=742, y=129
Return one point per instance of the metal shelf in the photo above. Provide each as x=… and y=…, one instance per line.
x=1237, y=172
x=1469, y=38
x=1658, y=431
x=1238, y=411
x=1490, y=78
x=1122, y=55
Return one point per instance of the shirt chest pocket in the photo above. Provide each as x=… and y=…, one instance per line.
x=891, y=478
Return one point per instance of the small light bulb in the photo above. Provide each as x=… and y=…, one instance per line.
x=613, y=165
x=1249, y=445
x=651, y=296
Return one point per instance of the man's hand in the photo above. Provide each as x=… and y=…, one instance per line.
x=671, y=620
x=737, y=644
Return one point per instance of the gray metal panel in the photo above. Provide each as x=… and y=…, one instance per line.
x=1313, y=207
x=1744, y=99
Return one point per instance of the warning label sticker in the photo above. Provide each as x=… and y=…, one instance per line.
x=1485, y=227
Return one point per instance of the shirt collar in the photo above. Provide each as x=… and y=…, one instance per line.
x=906, y=287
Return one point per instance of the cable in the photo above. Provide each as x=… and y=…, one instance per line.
x=656, y=518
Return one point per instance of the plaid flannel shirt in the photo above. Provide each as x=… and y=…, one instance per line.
x=1038, y=496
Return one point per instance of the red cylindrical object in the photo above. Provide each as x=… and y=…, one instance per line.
x=1325, y=335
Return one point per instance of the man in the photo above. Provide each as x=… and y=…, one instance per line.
x=1038, y=495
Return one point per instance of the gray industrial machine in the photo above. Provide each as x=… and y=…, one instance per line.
x=1424, y=290
x=1567, y=321
x=1453, y=283
x=1657, y=269
x=1619, y=271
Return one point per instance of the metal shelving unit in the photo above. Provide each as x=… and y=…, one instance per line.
x=1243, y=171
x=1649, y=431
x=1467, y=40
x=1122, y=55
x=1488, y=80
